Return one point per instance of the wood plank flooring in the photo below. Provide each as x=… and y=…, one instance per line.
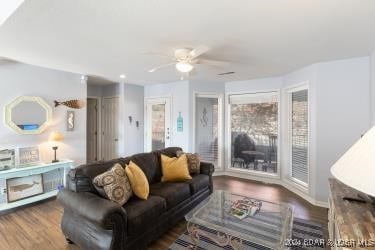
x=38, y=226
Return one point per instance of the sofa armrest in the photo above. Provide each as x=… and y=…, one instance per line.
x=93, y=208
x=207, y=168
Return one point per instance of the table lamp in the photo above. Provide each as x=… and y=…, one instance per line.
x=356, y=168
x=56, y=136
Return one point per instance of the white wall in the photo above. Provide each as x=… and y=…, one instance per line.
x=255, y=85
x=94, y=90
x=372, y=86
x=134, y=107
x=111, y=90
x=342, y=113
x=103, y=90
x=179, y=93
x=21, y=79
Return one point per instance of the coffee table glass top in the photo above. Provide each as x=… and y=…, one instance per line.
x=269, y=226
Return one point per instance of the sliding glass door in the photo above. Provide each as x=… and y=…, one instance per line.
x=253, y=127
x=208, y=129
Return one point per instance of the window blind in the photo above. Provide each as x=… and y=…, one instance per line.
x=299, y=135
x=253, y=98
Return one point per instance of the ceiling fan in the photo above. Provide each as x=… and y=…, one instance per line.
x=185, y=59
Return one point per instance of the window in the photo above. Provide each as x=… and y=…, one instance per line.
x=254, y=132
x=299, y=135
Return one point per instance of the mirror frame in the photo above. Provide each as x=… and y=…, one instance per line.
x=8, y=114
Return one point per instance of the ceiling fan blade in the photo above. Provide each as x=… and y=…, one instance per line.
x=152, y=53
x=216, y=63
x=160, y=67
x=198, y=51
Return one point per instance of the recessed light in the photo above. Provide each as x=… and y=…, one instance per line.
x=123, y=76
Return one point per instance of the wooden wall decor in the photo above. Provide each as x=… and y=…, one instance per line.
x=74, y=104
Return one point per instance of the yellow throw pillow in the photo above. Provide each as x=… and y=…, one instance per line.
x=175, y=169
x=138, y=180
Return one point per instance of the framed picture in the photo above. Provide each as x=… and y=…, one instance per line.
x=29, y=155
x=70, y=120
x=7, y=158
x=24, y=187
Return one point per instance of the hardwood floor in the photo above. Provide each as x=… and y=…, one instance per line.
x=38, y=226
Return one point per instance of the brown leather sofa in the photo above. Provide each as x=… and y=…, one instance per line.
x=93, y=222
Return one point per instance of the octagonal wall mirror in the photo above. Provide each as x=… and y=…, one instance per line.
x=28, y=115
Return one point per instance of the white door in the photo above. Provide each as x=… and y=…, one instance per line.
x=110, y=120
x=158, y=123
x=92, y=130
x=208, y=132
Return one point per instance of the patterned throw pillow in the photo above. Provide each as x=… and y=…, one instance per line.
x=193, y=161
x=115, y=183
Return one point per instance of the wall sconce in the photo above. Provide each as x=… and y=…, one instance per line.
x=137, y=124
x=130, y=119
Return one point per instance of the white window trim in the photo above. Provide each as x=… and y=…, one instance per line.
x=228, y=165
x=219, y=97
x=305, y=187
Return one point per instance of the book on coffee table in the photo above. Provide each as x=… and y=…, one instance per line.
x=245, y=207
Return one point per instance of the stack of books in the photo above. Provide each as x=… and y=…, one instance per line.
x=245, y=207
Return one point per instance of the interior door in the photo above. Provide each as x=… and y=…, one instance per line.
x=110, y=120
x=158, y=120
x=92, y=130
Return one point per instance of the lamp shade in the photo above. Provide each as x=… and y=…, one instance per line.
x=56, y=136
x=356, y=168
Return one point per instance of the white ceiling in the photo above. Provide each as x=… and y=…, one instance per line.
x=260, y=37
x=7, y=8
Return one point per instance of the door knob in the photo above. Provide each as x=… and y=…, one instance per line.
x=116, y=139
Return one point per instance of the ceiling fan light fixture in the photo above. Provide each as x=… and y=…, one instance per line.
x=184, y=67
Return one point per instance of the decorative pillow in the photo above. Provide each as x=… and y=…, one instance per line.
x=115, y=183
x=194, y=162
x=138, y=180
x=174, y=169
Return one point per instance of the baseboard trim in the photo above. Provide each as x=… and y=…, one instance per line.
x=285, y=184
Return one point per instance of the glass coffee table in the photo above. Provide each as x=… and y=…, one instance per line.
x=269, y=226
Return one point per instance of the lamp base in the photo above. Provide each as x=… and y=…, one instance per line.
x=55, y=160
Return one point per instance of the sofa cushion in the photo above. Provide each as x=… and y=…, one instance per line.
x=149, y=163
x=173, y=193
x=199, y=182
x=143, y=213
